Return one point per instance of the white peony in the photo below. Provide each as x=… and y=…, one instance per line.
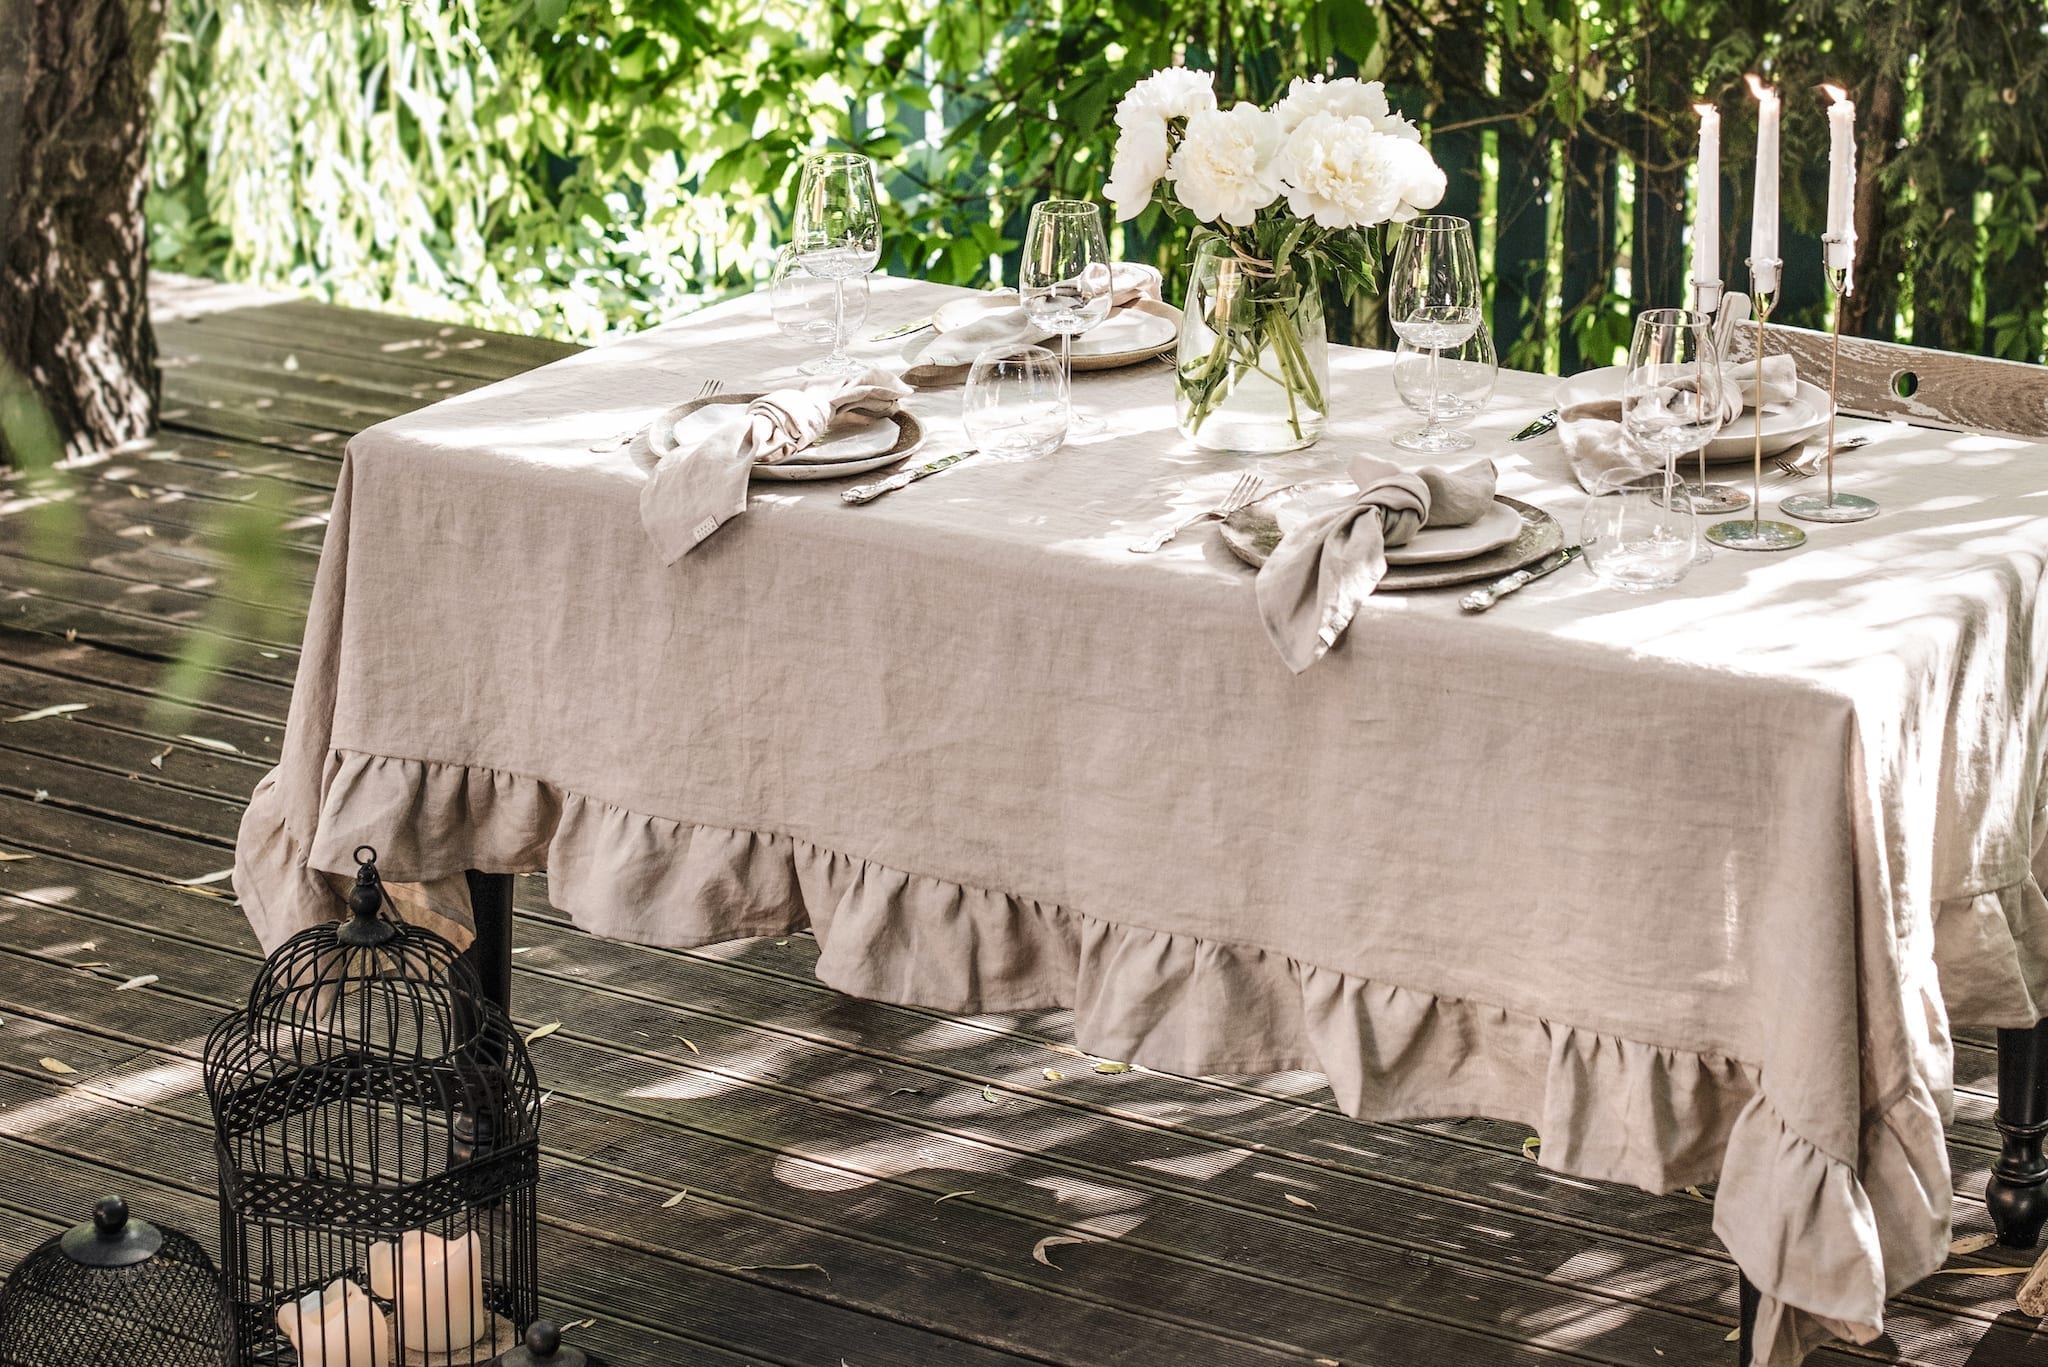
x=1174, y=93
x=1345, y=173
x=1223, y=170
x=1344, y=97
x=1140, y=160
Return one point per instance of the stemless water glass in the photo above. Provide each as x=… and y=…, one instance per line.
x=1673, y=395
x=837, y=235
x=1433, y=303
x=1016, y=403
x=1638, y=534
x=1448, y=386
x=1065, y=278
x=806, y=306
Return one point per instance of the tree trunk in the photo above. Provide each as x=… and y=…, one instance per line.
x=74, y=131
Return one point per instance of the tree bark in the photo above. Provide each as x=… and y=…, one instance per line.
x=74, y=318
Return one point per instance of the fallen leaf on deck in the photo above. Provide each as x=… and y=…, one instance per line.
x=543, y=1031
x=1696, y=1194
x=1971, y=1243
x=1054, y=1241
x=269, y=654
x=908, y=1091
x=156, y=761
x=689, y=1046
x=42, y=795
x=2020, y=1271
x=93, y=963
x=950, y=1195
x=53, y=1066
x=71, y=633
x=780, y=943
x=1054, y=1075
x=1301, y=1201
x=990, y=1097
x=53, y=710
x=88, y=945
x=577, y=1324
x=290, y=363
x=676, y=1199
x=1112, y=1067
x=783, y=1267
x=522, y=949
x=1531, y=1145
x=210, y=743
x=217, y=876
x=545, y=1098
x=1734, y=1336
x=11, y=858
x=138, y=491
x=1328, y=1362
x=144, y=981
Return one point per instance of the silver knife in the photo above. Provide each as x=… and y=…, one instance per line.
x=1479, y=600
x=866, y=493
x=918, y=325
x=1538, y=427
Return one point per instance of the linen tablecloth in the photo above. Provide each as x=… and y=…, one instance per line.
x=1692, y=883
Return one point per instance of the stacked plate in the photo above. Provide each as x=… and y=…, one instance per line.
x=847, y=448
x=1506, y=537
x=1784, y=425
x=1126, y=337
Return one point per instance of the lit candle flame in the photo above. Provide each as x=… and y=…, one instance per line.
x=1835, y=92
x=1759, y=89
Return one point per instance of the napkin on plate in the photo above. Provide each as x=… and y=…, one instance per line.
x=1331, y=561
x=1595, y=443
x=946, y=356
x=702, y=484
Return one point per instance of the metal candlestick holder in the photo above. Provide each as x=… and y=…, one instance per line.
x=1753, y=533
x=1832, y=507
x=1705, y=497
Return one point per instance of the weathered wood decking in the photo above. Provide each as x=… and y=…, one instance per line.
x=915, y=1159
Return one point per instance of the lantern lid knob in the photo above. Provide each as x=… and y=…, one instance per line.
x=366, y=927
x=543, y=1348
x=112, y=1239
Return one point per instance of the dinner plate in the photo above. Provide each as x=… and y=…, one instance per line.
x=1255, y=529
x=872, y=445
x=1128, y=336
x=1785, y=424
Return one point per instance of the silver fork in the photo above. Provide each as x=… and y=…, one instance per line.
x=1244, y=491
x=704, y=391
x=1798, y=468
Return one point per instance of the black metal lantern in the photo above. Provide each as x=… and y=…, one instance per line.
x=377, y=1122
x=115, y=1293
x=544, y=1348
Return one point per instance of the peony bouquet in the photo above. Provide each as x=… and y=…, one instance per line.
x=1285, y=196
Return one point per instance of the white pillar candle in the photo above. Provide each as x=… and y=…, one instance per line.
x=1706, y=214
x=1763, y=226
x=339, y=1326
x=1841, y=230
x=437, y=1285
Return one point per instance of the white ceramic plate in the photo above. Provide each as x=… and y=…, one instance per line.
x=1495, y=528
x=870, y=447
x=1126, y=337
x=1785, y=425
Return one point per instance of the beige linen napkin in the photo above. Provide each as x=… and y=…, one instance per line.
x=701, y=486
x=1595, y=443
x=1326, y=565
x=947, y=355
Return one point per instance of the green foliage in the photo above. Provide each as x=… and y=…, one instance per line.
x=581, y=167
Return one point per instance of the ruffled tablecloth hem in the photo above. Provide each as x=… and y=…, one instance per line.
x=1825, y=1237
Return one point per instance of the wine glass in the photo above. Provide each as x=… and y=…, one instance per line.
x=1673, y=398
x=1637, y=537
x=1433, y=302
x=838, y=235
x=806, y=306
x=1016, y=403
x=1065, y=279
x=1449, y=385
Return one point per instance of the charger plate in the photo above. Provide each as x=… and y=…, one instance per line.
x=1255, y=529
x=861, y=455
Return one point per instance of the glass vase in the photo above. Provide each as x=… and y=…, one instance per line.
x=1253, y=371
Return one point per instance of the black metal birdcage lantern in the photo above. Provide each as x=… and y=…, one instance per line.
x=118, y=1292
x=377, y=1122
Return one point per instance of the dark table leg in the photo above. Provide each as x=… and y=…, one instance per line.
x=2015, y=1196
x=1746, y=1298
x=490, y=897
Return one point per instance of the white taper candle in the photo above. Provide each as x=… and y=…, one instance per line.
x=1841, y=229
x=1706, y=213
x=1763, y=226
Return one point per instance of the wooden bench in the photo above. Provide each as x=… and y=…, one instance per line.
x=1916, y=384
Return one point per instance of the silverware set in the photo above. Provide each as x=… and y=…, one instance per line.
x=1241, y=493
x=704, y=391
x=1802, y=466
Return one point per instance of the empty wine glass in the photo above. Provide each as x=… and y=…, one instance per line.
x=1448, y=386
x=1433, y=302
x=837, y=235
x=1065, y=278
x=806, y=306
x=1637, y=535
x=1673, y=398
x=1016, y=403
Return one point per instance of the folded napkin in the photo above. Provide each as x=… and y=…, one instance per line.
x=947, y=354
x=702, y=484
x=1331, y=561
x=1595, y=443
